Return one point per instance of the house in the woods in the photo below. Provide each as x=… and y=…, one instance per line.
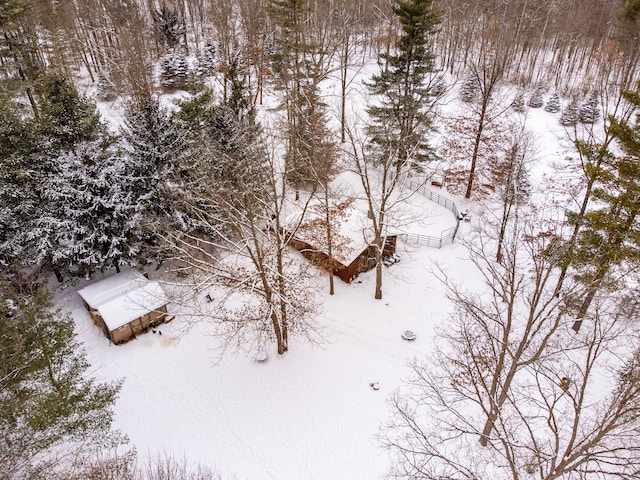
x=125, y=304
x=345, y=268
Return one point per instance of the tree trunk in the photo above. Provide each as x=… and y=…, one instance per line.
x=378, y=294
x=476, y=148
x=343, y=88
x=586, y=302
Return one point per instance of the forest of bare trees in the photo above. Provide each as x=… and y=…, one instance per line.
x=567, y=45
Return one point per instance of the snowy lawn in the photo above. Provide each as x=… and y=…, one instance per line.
x=311, y=414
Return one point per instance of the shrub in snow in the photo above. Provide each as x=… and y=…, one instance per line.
x=536, y=100
x=518, y=103
x=469, y=89
x=589, y=110
x=569, y=115
x=553, y=104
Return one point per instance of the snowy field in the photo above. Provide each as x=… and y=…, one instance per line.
x=310, y=414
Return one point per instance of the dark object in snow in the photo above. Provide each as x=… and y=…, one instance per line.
x=159, y=332
x=564, y=383
x=408, y=335
x=208, y=298
x=466, y=216
x=154, y=331
x=391, y=259
x=375, y=385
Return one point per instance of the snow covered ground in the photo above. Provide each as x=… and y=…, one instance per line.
x=312, y=413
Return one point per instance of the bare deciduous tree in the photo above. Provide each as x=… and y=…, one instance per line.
x=542, y=402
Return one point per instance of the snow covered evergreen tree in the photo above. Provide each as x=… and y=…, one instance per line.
x=53, y=415
x=518, y=103
x=536, y=99
x=153, y=145
x=569, y=115
x=105, y=89
x=66, y=118
x=469, y=89
x=169, y=26
x=553, y=103
x=589, y=112
x=96, y=228
x=207, y=60
x=400, y=122
x=174, y=69
x=610, y=233
x=22, y=170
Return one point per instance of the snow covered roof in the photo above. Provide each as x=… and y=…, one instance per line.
x=123, y=297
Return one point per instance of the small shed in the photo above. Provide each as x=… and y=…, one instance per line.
x=125, y=304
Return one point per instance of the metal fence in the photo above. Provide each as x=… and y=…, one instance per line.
x=448, y=236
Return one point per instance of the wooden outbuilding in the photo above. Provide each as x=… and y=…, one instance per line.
x=125, y=304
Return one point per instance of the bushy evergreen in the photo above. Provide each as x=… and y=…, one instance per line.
x=610, y=233
x=169, y=26
x=66, y=117
x=553, y=103
x=207, y=60
x=34, y=227
x=569, y=116
x=536, y=99
x=153, y=145
x=53, y=414
x=174, y=69
x=470, y=88
x=589, y=112
x=95, y=226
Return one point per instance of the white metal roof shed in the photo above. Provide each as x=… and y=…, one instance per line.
x=123, y=297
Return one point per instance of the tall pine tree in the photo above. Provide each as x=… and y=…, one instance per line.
x=402, y=118
x=153, y=145
x=53, y=416
x=611, y=233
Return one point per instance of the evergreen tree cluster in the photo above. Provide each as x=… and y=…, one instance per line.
x=75, y=198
